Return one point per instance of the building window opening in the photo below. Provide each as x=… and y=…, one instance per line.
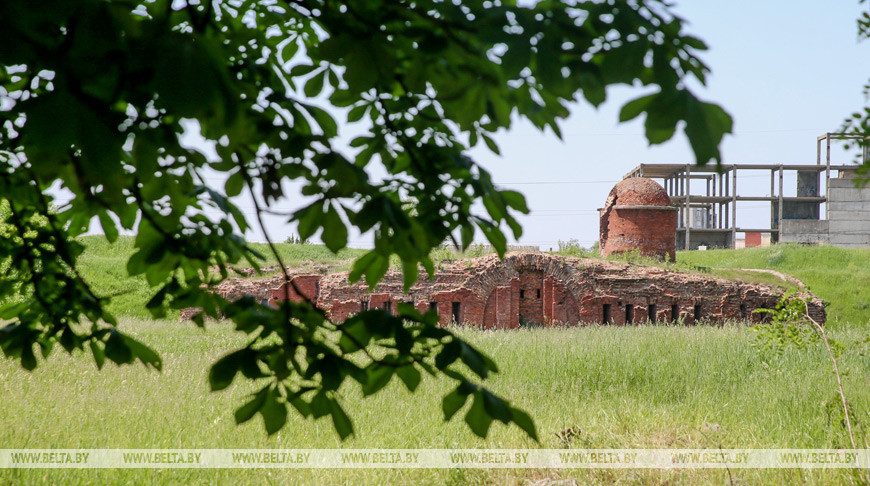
x=651, y=313
x=433, y=306
x=388, y=307
x=522, y=294
x=363, y=305
x=457, y=312
x=743, y=311
x=675, y=312
x=539, y=293
x=629, y=313
x=697, y=312
x=606, y=318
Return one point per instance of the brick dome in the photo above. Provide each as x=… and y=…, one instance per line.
x=640, y=191
x=637, y=216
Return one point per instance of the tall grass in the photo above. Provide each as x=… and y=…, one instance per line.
x=629, y=387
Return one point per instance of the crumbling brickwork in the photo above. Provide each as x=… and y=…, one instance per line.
x=536, y=288
x=637, y=216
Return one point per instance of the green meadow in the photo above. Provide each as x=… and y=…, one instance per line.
x=647, y=386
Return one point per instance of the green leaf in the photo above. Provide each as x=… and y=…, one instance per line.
x=378, y=377
x=410, y=274
x=706, y=124
x=234, y=184
x=334, y=231
x=477, y=418
x=496, y=407
x=145, y=354
x=274, y=412
x=635, y=107
x=301, y=70
x=340, y=420
x=473, y=359
x=357, y=113
x=109, y=228
x=377, y=269
x=315, y=84
x=453, y=402
x=99, y=354
x=320, y=405
x=117, y=349
x=248, y=410
x=28, y=359
x=624, y=63
x=515, y=200
x=490, y=143
x=224, y=371
x=449, y=353
x=309, y=218
x=409, y=376
x=525, y=422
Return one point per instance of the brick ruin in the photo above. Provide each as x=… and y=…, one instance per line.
x=534, y=288
x=637, y=216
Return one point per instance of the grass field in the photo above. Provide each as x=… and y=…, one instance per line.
x=632, y=387
x=639, y=387
x=839, y=276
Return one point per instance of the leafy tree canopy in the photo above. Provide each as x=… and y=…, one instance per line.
x=857, y=125
x=94, y=95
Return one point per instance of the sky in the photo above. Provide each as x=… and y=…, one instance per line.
x=786, y=72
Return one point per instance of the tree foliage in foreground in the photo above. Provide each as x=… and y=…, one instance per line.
x=96, y=93
x=858, y=123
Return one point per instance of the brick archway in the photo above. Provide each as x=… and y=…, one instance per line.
x=530, y=288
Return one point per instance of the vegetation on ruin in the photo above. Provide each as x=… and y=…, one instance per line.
x=838, y=276
x=632, y=387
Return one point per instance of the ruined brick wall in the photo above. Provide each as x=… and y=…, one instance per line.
x=543, y=289
x=637, y=216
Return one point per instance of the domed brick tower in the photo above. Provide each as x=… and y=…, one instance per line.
x=638, y=216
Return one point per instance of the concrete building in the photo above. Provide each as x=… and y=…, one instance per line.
x=706, y=201
x=847, y=224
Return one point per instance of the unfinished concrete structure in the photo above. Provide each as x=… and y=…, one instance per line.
x=847, y=224
x=707, y=201
x=533, y=288
x=637, y=216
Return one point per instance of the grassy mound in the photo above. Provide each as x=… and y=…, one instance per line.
x=839, y=276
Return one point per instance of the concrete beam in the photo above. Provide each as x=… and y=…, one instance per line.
x=844, y=184
x=838, y=239
x=849, y=226
x=849, y=215
x=848, y=206
x=850, y=194
x=811, y=238
x=804, y=226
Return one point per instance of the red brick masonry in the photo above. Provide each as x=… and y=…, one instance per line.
x=535, y=288
x=637, y=216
